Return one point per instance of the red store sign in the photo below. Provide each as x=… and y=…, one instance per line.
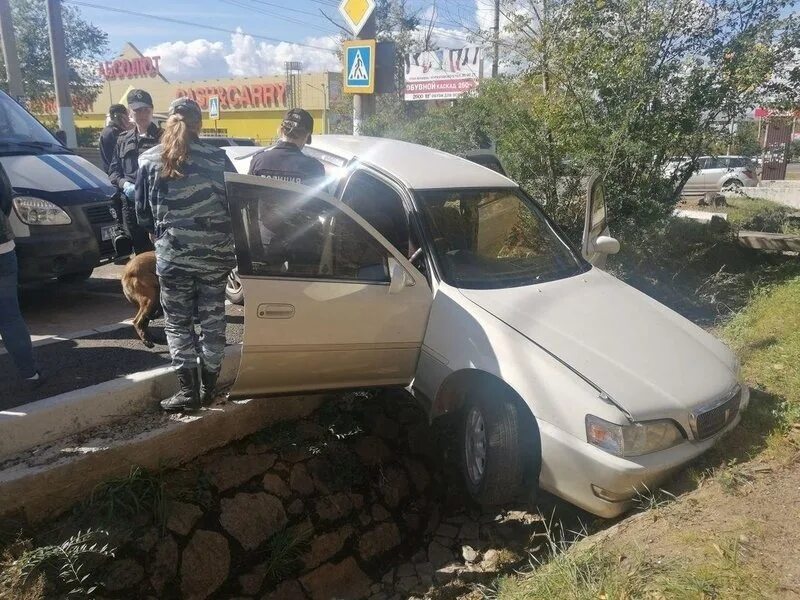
x=263, y=95
x=124, y=68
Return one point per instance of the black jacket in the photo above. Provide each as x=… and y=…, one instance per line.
x=6, y=192
x=286, y=162
x=125, y=164
x=108, y=143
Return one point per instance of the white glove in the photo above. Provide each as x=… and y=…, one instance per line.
x=129, y=190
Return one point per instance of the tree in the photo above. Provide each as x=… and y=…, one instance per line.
x=85, y=45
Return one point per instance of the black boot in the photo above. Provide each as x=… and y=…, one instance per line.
x=208, y=386
x=188, y=397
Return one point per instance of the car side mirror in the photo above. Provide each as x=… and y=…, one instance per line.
x=399, y=279
x=606, y=245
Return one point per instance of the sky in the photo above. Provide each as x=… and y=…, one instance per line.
x=297, y=29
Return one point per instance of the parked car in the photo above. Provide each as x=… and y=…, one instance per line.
x=62, y=214
x=717, y=174
x=427, y=271
x=222, y=142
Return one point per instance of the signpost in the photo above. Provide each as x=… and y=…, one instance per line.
x=359, y=16
x=213, y=110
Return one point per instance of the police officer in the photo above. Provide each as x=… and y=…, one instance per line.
x=285, y=161
x=180, y=200
x=125, y=164
x=117, y=123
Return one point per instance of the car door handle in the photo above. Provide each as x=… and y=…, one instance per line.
x=275, y=311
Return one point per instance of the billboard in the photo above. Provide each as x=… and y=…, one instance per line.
x=442, y=74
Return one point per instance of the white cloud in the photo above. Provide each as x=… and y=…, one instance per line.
x=244, y=56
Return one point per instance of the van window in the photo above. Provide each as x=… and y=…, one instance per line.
x=17, y=126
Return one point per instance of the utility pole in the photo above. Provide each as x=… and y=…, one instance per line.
x=66, y=119
x=10, y=56
x=364, y=104
x=496, y=44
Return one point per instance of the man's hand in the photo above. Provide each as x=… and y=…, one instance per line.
x=129, y=190
x=152, y=238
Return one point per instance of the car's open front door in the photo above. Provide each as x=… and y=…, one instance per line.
x=330, y=304
x=597, y=241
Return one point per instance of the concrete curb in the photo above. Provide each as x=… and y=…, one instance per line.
x=60, y=416
x=46, y=482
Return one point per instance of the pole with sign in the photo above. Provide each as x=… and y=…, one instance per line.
x=358, y=14
x=213, y=110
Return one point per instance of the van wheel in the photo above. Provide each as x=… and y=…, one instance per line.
x=493, y=450
x=234, y=291
x=77, y=277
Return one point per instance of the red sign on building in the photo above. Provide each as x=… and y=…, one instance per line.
x=129, y=68
x=264, y=95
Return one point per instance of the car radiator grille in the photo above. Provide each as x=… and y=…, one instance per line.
x=712, y=421
x=99, y=214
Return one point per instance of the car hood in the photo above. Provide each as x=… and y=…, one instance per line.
x=650, y=360
x=54, y=173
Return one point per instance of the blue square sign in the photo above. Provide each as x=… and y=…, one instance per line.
x=359, y=66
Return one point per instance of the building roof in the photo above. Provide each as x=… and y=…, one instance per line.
x=417, y=167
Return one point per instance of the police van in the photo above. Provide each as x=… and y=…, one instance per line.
x=62, y=217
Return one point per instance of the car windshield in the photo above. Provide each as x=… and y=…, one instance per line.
x=494, y=239
x=18, y=129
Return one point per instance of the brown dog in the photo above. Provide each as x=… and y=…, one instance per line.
x=140, y=286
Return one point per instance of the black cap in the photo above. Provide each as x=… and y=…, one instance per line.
x=139, y=99
x=117, y=109
x=186, y=107
x=300, y=119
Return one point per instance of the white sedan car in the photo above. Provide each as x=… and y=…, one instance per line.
x=412, y=267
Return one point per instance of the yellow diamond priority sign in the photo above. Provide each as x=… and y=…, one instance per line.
x=356, y=13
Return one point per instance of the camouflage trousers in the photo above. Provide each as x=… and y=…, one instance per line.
x=181, y=295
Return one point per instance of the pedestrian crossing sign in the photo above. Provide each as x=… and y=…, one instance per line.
x=359, y=66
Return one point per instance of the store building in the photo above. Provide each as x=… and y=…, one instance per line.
x=251, y=107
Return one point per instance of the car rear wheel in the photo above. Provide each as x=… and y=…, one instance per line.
x=493, y=450
x=732, y=186
x=234, y=291
x=76, y=277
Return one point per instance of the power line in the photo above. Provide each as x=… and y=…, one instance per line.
x=198, y=25
x=294, y=10
x=240, y=4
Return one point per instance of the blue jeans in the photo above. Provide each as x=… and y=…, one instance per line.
x=13, y=330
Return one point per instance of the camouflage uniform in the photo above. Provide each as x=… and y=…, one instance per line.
x=194, y=249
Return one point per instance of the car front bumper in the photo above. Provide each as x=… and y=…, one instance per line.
x=577, y=471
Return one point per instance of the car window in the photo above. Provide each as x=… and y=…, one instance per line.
x=281, y=233
x=717, y=163
x=737, y=162
x=381, y=206
x=493, y=239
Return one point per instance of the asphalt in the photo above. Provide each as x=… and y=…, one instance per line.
x=55, y=310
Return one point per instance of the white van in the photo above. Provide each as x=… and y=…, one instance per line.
x=62, y=219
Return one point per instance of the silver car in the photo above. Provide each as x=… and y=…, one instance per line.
x=717, y=174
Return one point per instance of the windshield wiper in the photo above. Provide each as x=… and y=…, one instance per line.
x=42, y=146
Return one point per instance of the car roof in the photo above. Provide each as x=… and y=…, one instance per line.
x=417, y=167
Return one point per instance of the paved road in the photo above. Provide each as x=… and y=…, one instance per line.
x=55, y=311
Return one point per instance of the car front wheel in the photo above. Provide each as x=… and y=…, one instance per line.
x=494, y=450
x=233, y=288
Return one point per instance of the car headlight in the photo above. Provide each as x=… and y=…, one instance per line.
x=634, y=439
x=35, y=211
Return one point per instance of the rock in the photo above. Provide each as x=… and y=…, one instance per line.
x=182, y=517
x=357, y=500
x=372, y=451
x=379, y=513
x=469, y=554
x=300, y=481
x=257, y=448
x=251, y=582
x=491, y=560
x=406, y=570
x=408, y=584
x=420, y=442
x=326, y=546
x=232, y=471
x=425, y=570
x=388, y=578
x=276, y=486
x=288, y=590
x=438, y=555
x=433, y=520
x=413, y=520
x=164, y=565
x=204, y=565
x=341, y=580
x=378, y=541
x=420, y=556
x=308, y=430
x=364, y=519
x=296, y=507
x=295, y=454
x=334, y=507
x=123, y=575
x=322, y=474
x=418, y=473
x=469, y=531
x=252, y=518
x=385, y=428
x=447, y=531
x=148, y=539
x=394, y=486
x=447, y=574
